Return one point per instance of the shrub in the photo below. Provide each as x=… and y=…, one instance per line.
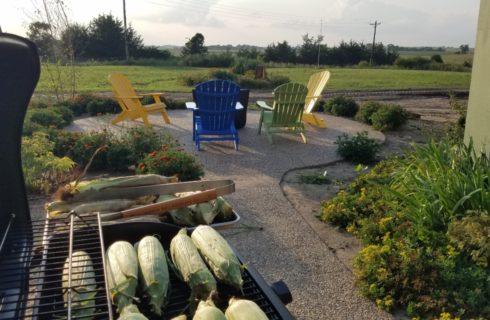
x=249, y=83
x=319, y=106
x=120, y=157
x=436, y=58
x=191, y=79
x=78, y=105
x=65, y=113
x=223, y=75
x=277, y=80
x=87, y=144
x=64, y=142
x=389, y=117
x=46, y=117
x=242, y=65
x=360, y=148
x=102, y=106
x=419, y=63
x=170, y=162
x=363, y=64
x=145, y=140
x=367, y=110
x=342, y=106
x=43, y=171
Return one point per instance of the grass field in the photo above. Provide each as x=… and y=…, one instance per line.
x=154, y=78
x=447, y=56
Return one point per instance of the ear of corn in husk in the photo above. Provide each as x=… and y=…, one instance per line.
x=203, y=213
x=83, y=285
x=241, y=309
x=86, y=189
x=57, y=207
x=131, y=312
x=223, y=209
x=154, y=276
x=122, y=273
x=218, y=255
x=206, y=310
x=180, y=317
x=180, y=216
x=191, y=267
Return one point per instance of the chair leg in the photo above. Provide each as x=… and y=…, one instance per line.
x=146, y=122
x=120, y=117
x=236, y=142
x=260, y=120
x=269, y=136
x=165, y=117
x=303, y=136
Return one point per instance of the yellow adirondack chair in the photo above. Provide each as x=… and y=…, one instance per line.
x=130, y=102
x=316, y=84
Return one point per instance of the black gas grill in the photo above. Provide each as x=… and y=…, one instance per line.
x=33, y=254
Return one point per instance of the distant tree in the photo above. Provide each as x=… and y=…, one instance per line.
x=436, y=58
x=249, y=53
x=39, y=33
x=308, y=52
x=106, y=38
x=76, y=38
x=195, y=45
x=153, y=52
x=464, y=48
x=280, y=52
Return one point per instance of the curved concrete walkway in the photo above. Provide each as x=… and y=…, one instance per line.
x=273, y=237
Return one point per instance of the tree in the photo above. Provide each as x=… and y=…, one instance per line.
x=195, y=45
x=39, y=33
x=106, y=38
x=76, y=38
x=464, y=48
x=308, y=52
x=280, y=52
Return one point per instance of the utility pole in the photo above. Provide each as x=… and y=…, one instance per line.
x=375, y=24
x=126, y=49
x=320, y=38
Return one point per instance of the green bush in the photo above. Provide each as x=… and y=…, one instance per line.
x=277, y=80
x=100, y=106
x=242, y=65
x=78, y=105
x=436, y=58
x=424, y=222
x=43, y=171
x=360, y=148
x=65, y=113
x=319, y=106
x=223, y=75
x=250, y=83
x=418, y=63
x=212, y=60
x=86, y=145
x=120, y=157
x=367, y=110
x=389, y=117
x=46, y=117
x=342, y=106
x=191, y=79
x=171, y=162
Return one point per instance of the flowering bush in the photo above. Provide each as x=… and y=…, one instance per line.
x=171, y=161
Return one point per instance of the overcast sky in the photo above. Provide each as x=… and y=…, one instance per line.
x=261, y=22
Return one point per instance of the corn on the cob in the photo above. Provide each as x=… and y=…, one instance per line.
x=180, y=216
x=180, y=317
x=191, y=267
x=206, y=310
x=122, y=273
x=203, y=213
x=223, y=208
x=241, y=309
x=154, y=277
x=83, y=284
x=131, y=312
x=218, y=255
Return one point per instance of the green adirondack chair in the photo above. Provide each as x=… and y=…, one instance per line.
x=286, y=112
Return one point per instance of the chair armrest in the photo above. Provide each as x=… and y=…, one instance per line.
x=264, y=105
x=191, y=105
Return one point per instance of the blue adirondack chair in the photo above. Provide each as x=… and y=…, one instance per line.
x=214, y=118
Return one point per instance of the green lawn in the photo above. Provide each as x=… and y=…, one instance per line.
x=164, y=78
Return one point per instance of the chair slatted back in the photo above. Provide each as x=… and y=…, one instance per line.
x=216, y=100
x=122, y=89
x=289, y=100
x=316, y=84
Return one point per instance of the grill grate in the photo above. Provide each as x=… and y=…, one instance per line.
x=38, y=253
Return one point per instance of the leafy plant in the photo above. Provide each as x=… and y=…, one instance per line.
x=102, y=106
x=315, y=179
x=171, y=161
x=43, y=171
x=223, y=75
x=359, y=148
x=367, y=110
x=342, y=106
x=389, y=117
x=45, y=117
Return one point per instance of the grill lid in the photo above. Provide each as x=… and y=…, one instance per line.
x=19, y=70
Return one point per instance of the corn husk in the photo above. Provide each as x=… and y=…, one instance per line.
x=131, y=312
x=154, y=276
x=122, y=273
x=83, y=284
x=241, y=309
x=180, y=317
x=206, y=310
x=218, y=255
x=203, y=213
x=180, y=216
x=84, y=190
x=191, y=267
x=223, y=209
